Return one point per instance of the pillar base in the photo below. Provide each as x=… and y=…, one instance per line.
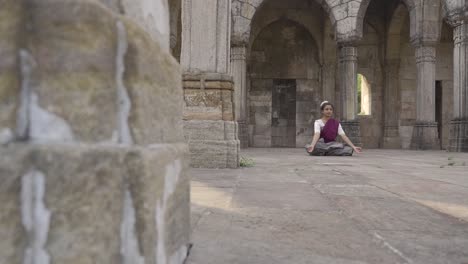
x=391, y=138
x=212, y=144
x=243, y=134
x=353, y=131
x=425, y=136
x=458, y=141
x=210, y=128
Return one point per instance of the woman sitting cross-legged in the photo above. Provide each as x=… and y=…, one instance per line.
x=326, y=130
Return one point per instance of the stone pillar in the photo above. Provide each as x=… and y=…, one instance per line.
x=459, y=126
x=391, y=104
x=239, y=74
x=92, y=153
x=348, y=88
x=210, y=126
x=425, y=134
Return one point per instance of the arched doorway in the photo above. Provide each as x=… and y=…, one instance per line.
x=394, y=93
x=285, y=72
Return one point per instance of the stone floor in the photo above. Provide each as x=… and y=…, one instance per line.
x=383, y=206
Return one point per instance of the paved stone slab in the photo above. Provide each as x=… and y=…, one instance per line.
x=378, y=207
x=298, y=196
x=272, y=174
x=399, y=215
x=428, y=248
x=284, y=236
x=355, y=190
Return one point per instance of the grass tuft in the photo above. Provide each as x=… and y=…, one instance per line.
x=246, y=162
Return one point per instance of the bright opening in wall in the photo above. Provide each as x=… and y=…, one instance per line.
x=364, y=95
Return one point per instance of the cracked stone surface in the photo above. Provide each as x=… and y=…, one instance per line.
x=383, y=206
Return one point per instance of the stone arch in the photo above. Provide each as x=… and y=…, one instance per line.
x=243, y=12
x=410, y=6
x=283, y=54
x=313, y=51
x=397, y=22
x=267, y=23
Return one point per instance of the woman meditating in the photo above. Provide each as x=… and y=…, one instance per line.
x=326, y=130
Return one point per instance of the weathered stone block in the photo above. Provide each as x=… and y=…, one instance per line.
x=153, y=78
x=151, y=16
x=214, y=154
x=209, y=130
x=207, y=98
x=91, y=47
x=83, y=94
x=86, y=190
x=10, y=24
x=247, y=10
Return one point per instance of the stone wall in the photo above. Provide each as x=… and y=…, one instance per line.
x=92, y=161
x=286, y=41
x=370, y=66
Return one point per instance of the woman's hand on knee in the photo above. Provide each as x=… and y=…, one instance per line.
x=310, y=149
x=358, y=149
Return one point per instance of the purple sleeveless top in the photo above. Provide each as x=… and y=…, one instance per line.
x=330, y=130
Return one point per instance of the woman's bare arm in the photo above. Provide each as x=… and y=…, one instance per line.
x=314, y=141
x=348, y=141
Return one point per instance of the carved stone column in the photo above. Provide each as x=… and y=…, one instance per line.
x=425, y=134
x=100, y=138
x=239, y=74
x=459, y=126
x=348, y=88
x=391, y=104
x=210, y=127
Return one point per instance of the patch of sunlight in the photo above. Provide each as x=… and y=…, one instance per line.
x=455, y=210
x=207, y=196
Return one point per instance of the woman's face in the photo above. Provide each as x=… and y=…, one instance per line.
x=328, y=111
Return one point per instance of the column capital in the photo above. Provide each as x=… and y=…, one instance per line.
x=425, y=53
x=349, y=43
x=239, y=40
x=456, y=15
x=424, y=42
x=348, y=53
x=238, y=53
x=347, y=40
x=460, y=33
